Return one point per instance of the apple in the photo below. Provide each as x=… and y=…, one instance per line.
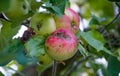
x=43, y=23
x=63, y=22
x=17, y=9
x=74, y=19
x=61, y=44
x=45, y=59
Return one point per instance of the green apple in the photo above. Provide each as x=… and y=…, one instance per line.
x=44, y=62
x=17, y=9
x=43, y=23
x=44, y=59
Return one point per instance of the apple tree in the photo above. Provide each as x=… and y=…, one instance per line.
x=62, y=37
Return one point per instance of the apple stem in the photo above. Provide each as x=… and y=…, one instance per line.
x=54, y=68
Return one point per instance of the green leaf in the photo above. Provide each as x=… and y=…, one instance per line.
x=35, y=5
x=15, y=47
x=59, y=3
x=19, y=53
x=82, y=50
x=113, y=66
x=1, y=74
x=98, y=45
x=4, y=4
x=97, y=35
x=96, y=20
x=35, y=46
x=56, y=6
x=92, y=41
x=6, y=33
x=100, y=8
x=5, y=58
x=14, y=50
x=53, y=9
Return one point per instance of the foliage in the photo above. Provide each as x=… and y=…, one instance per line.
x=101, y=39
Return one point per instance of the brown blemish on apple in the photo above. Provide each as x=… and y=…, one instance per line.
x=41, y=62
x=73, y=23
x=62, y=35
x=38, y=26
x=24, y=7
x=60, y=46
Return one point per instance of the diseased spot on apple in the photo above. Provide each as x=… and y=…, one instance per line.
x=24, y=7
x=73, y=23
x=41, y=62
x=62, y=35
x=43, y=54
x=47, y=47
x=38, y=26
x=60, y=46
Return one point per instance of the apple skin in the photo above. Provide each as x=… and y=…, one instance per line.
x=74, y=19
x=17, y=9
x=43, y=23
x=45, y=59
x=63, y=22
x=61, y=45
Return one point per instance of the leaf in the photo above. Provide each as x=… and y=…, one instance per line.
x=4, y=4
x=100, y=8
x=35, y=46
x=35, y=5
x=113, y=66
x=6, y=33
x=15, y=47
x=53, y=9
x=82, y=50
x=92, y=41
x=19, y=53
x=59, y=3
x=56, y=6
x=97, y=35
x=96, y=20
x=14, y=50
x=98, y=45
x=1, y=74
x=5, y=58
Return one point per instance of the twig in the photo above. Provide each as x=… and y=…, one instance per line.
x=54, y=68
x=71, y=69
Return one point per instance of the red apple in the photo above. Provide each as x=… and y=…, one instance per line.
x=63, y=22
x=61, y=44
x=74, y=19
